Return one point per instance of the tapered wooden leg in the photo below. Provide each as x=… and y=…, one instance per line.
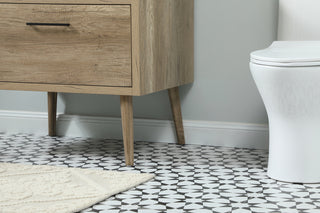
x=127, y=128
x=52, y=113
x=176, y=112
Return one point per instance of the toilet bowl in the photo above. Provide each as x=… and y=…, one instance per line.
x=287, y=75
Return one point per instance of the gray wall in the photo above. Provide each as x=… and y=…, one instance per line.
x=226, y=31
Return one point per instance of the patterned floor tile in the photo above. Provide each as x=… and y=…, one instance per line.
x=188, y=178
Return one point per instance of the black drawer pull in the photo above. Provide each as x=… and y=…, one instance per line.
x=47, y=24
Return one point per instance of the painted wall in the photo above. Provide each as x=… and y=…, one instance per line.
x=299, y=20
x=226, y=31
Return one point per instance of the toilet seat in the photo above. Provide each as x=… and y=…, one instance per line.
x=289, y=54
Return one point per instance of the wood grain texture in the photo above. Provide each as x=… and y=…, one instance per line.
x=166, y=30
x=127, y=128
x=67, y=1
x=52, y=113
x=66, y=88
x=94, y=50
x=161, y=49
x=176, y=112
x=135, y=60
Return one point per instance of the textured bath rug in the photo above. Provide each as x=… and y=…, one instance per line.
x=48, y=189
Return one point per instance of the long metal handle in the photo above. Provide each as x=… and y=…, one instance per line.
x=48, y=24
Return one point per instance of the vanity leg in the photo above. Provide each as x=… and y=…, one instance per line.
x=176, y=112
x=127, y=128
x=52, y=113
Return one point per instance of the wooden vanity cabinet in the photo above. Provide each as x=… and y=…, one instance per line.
x=113, y=47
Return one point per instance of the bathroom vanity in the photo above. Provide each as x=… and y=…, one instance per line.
x=114, y=47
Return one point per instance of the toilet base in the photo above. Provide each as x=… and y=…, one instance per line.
x=292, y=99
x=286, y=180
x=294, y=152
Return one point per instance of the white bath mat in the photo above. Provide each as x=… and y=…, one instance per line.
x=48, y=189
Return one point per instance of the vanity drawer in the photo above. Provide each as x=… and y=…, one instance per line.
x=66, y=44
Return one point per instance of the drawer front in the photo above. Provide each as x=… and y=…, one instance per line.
x=95, y=49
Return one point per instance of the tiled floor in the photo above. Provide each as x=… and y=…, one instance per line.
x=188, y=178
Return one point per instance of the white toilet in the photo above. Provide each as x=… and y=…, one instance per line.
x=287, y=75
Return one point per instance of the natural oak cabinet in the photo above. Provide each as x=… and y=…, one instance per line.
x=114, y=47
x=92, y=46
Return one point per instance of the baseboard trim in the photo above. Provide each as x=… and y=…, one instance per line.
x=242, y=135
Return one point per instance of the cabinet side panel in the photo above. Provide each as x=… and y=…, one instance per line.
x=166, y=44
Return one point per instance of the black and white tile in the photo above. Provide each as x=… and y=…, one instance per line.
x=189, y=178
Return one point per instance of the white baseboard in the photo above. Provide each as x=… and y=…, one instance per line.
x=214, y=133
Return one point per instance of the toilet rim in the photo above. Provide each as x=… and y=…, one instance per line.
x=285, y=64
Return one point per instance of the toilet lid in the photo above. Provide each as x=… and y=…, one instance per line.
x=289, y=54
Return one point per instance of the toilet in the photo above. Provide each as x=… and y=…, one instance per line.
x=287, y=75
